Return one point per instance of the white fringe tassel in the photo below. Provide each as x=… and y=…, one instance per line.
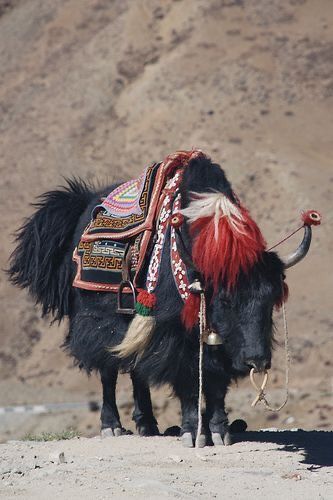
x=215, y=205
x=137, y=338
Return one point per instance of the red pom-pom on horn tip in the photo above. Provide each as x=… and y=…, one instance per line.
x=311, y=218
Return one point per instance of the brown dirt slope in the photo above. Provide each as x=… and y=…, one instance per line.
x=99, y=89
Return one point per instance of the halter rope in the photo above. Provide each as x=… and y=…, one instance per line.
x=310, y=217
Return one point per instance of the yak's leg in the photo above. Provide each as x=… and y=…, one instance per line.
x=110, y=420
x=216, y=416
x=189, y=407
x=186, y=388
x=143, y=411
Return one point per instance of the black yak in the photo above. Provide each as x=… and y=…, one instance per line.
x=225, y=250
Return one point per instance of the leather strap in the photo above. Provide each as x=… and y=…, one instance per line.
x=125, y=272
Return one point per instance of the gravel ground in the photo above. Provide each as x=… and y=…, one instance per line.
x=271, y=464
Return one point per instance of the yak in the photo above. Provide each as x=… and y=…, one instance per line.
x=243, y=282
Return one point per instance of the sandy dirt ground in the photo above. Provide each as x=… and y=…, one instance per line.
x=100, y=89
x=275, y=465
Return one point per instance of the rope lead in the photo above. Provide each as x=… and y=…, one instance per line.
x=202, y=322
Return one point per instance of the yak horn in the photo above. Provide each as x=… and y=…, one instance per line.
x=310, y=218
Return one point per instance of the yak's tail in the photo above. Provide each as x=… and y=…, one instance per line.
x=41, y=260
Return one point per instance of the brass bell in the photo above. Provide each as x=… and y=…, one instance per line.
x=213, y=338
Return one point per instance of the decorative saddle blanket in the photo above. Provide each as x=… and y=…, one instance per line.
x=129, y=209
x=119, y=239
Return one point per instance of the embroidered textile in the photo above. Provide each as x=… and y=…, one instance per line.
x=124, y=201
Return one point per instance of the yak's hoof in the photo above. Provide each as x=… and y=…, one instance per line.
x=227, y=439
x=219, y=441
x=109, y=432
x=189, y=442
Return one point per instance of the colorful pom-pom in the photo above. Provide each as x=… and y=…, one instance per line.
x=145, y=302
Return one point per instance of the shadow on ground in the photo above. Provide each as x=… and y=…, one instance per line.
x=316, y=446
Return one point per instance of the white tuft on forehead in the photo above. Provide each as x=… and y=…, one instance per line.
x=214, y=204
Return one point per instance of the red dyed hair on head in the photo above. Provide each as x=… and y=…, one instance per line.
x=227, y=241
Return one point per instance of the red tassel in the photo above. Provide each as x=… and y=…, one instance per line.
x=235, y=250
x=190, y=312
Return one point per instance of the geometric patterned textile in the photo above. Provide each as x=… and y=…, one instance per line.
x=124, y=200
x=101, y=262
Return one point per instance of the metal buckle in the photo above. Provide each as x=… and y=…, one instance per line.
x=120, y=308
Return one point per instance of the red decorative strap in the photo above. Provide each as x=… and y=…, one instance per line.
x=162, y=226
x=177, y=264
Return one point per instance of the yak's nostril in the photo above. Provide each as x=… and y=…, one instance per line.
x=251, y=364
x=259, y=365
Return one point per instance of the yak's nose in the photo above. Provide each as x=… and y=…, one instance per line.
x=259, y=364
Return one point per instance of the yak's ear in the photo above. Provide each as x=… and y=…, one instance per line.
x=283, y=296
x=226, y=238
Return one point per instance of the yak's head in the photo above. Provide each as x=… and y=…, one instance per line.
x=243, y=281
x=243, y=315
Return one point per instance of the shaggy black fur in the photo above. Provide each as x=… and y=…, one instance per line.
x=42, y=263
